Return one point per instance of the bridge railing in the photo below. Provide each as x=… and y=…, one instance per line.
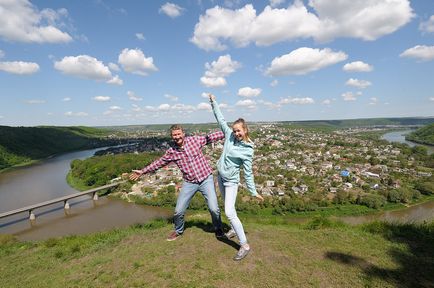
x=63, y=199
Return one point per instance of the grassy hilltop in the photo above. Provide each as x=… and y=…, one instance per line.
x=318, y=254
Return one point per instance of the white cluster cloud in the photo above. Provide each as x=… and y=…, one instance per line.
x=367, y=20
x=327, y=102
x=274, y=83
x=168, y=108
x=19, y=67
x=248, y=103
x=171, y=10
x=374, y=101
x=297, y=101
x=134, y=61
x=304, y=60
x=85, y=66
x=275, y=3
x=421, y=52
x=427, y=26
x=350, y=96
x=218, y=70
x=249, y=92
x=101, y=98
x=76, y=114
x=357, y=66
x=35, y=101
x=2, y=54
x=66, y=99
x=171, y=97
x=20, y=21
x=140, y=36
x=361, y=84
x=133, y=97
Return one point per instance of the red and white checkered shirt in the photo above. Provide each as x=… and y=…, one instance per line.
x=190, y=159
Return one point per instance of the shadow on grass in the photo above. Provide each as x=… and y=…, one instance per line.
x=415, y=263
x=209, y=228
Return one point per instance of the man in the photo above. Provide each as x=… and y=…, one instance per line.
x=197, y=174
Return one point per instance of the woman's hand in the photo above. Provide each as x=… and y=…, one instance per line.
x=259, y=196
x=135, y=175
x=211, y=97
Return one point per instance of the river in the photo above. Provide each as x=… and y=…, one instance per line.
x=399, y=136
x=46, y=180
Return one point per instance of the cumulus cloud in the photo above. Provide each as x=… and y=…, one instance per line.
x=296, y=101
x=373, y=101
x=431, y=99
x=204, y=106
x=140, y=36
x=114, y=67
x=420, y=52
x=249, y=92
x=327, y=102
x=21, y=21
x=2, y=54
x=115, y=108
x=171, y=97
x=19, y=67
x=84, y=66
x=116, y=80
x=324, y=20
x=133, y=97
x=427, y=26
x=134, y=61
x=101, y=98
x=361, y=84
x=248, y=103
x=76, y=114
x=274, y=83
x=217, y=70
x=350, y=96
x=357, y=66
x=35, y=101
x=275, y=3
x=171, y=10
x=304, y=60
x=66, y=99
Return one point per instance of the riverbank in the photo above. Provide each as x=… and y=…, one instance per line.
x=321, y=253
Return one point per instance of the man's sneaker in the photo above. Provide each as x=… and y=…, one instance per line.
x=241, y=253
x=173, y=236
x=219, y=234
x=231, y=233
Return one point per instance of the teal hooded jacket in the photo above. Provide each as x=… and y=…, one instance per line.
x=235, y=154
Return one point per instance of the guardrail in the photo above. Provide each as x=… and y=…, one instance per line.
x=57, y=200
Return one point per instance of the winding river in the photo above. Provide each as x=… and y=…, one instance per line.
x=46, y=180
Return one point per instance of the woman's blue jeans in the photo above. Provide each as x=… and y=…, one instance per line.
x=188, y=190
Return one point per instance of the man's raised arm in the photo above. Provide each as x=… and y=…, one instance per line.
x=154, y=166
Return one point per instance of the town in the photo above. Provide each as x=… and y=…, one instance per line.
x=311, y=163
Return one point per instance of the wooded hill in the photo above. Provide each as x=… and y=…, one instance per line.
x=423, y=135
x=19, y=145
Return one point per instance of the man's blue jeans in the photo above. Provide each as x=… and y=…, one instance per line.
x=188, y=190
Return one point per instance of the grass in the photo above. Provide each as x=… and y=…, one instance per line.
x=321, y=253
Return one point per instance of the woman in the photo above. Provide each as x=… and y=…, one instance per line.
x=237, y=152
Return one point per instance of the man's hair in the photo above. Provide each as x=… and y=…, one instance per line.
x=176, y=127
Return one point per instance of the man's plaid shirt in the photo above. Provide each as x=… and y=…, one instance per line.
x=190, y=159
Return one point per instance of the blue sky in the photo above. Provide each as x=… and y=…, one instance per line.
x=100, y=63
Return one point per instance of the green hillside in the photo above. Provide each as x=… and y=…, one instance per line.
x=423, y=135
x=19, y=145
x=318, y=254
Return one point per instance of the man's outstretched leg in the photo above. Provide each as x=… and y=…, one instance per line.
x=187, y=192
x=207, y=189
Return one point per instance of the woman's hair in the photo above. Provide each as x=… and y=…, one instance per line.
x=244, y=125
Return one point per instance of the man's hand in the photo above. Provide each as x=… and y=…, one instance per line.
x=211, y=97
x=259, y=196
x=136, y=175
